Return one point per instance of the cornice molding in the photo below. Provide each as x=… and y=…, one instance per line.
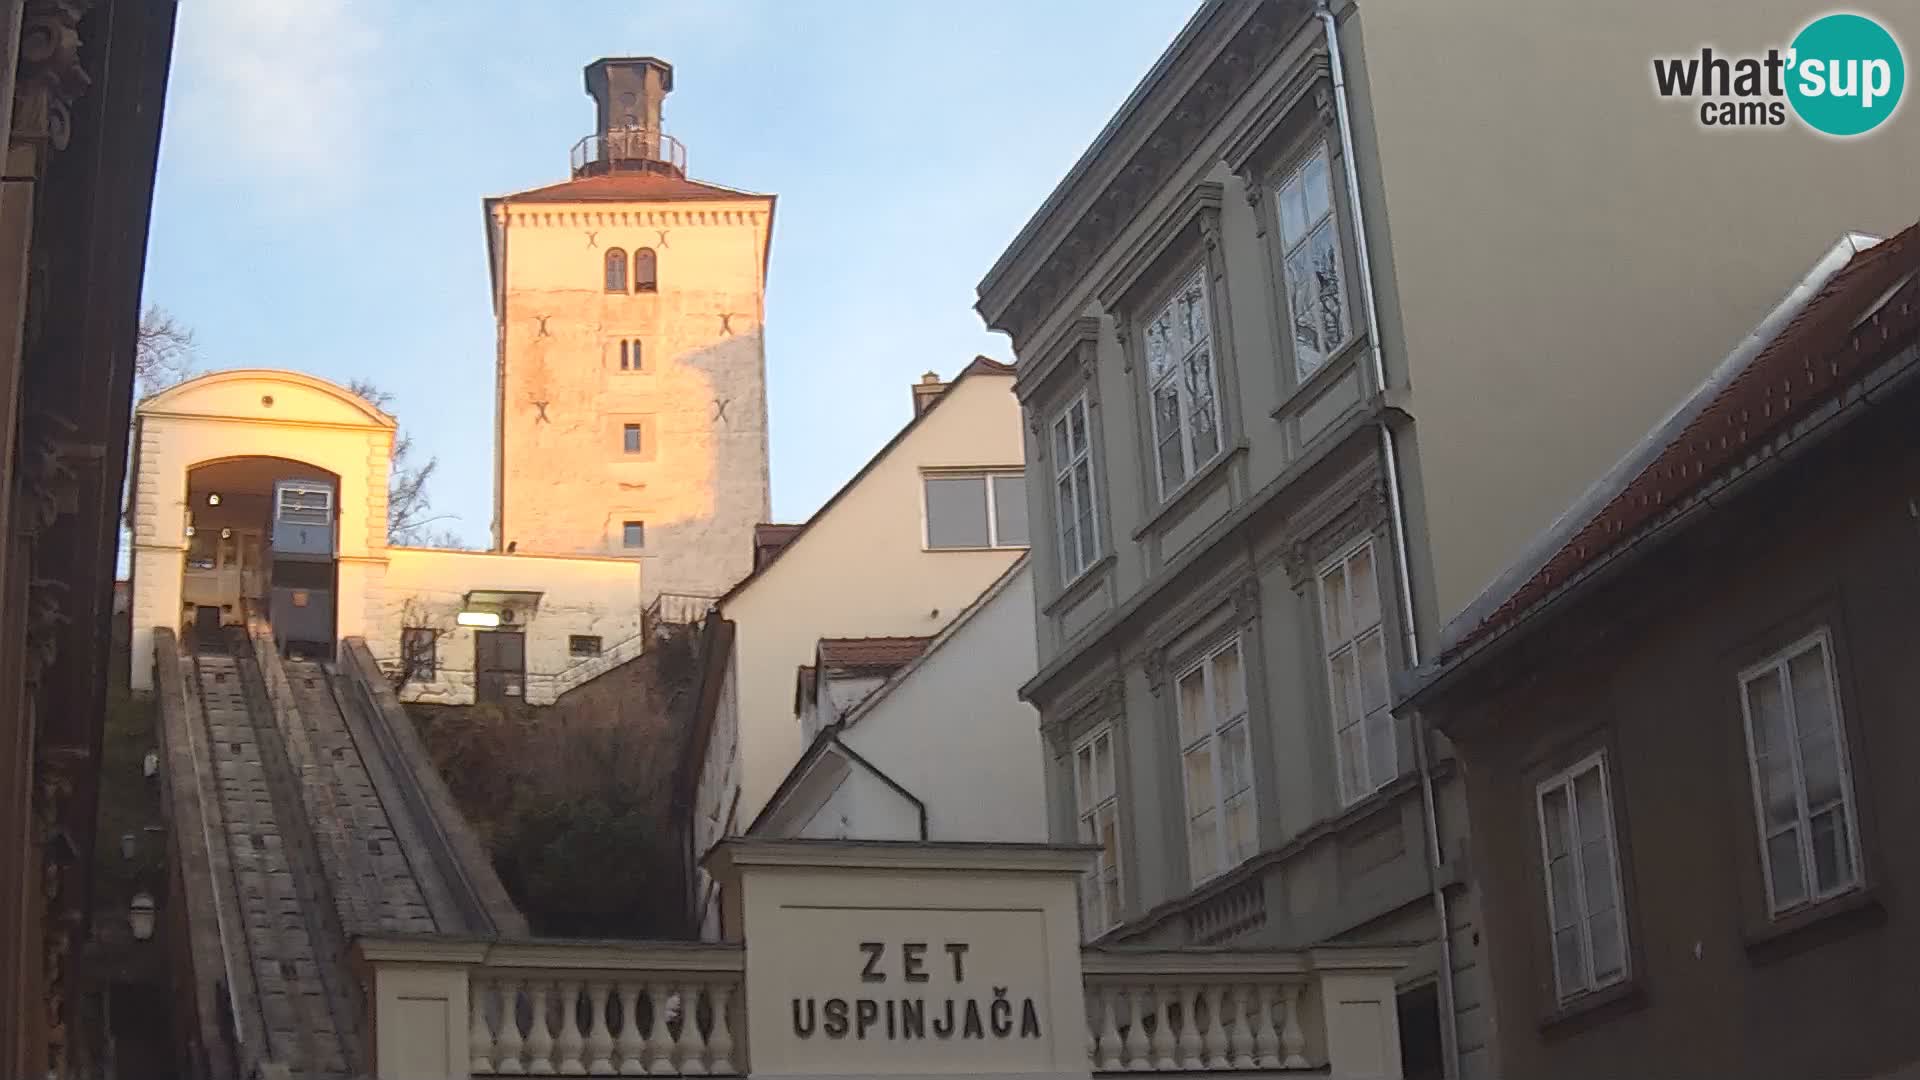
x=522, y=218
x=1062, y=349
x=1246, y=147
x=1104, y=702
x=50, y=77
x=1255, y=44
x=1198, y=209
x=1355, y=504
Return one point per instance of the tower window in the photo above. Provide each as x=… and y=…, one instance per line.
x=617, y=269
x=646, y=274
x=633, y=534
x=630, y=356
x=630, y=438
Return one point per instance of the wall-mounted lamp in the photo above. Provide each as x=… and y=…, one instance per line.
x=140, y=916
x=128, y=846
x=478, y=618
x=213, y=499
x=189, y=531
x=150, y=767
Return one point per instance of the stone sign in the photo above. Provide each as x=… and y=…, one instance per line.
x=877, y=958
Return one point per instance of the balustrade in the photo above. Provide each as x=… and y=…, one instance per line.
x=1151, y=1011
x=601, y=1024
x=533, y=1008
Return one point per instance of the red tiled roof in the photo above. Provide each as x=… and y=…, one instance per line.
x=1809, y=362
x=628, y=187
x=982, y=365
x=871, y=652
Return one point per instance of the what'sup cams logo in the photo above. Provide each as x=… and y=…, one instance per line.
x=1843, y=75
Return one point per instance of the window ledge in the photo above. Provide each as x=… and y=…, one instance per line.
x=1082, y=584
x=1594, y=1007
x=1185, y=494
x=1815, y=924
x=988, y=547
x=1336, y=368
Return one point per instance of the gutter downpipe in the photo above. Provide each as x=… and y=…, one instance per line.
x=1450, y=1027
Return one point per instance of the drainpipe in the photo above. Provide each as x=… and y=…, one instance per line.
x=1450, y=1027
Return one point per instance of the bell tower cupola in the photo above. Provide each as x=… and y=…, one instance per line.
x=627, y=95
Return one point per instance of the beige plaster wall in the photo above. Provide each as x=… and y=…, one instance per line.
x=245, y=413
x=426, y=587
x=566, y=484
x=862, y=570
x=1570, y=254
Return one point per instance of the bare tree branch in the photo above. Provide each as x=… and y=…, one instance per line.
x=163, y=352
x=414, y=663
x=409, y=510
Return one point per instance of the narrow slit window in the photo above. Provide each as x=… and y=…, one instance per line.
x=630, y=354
x=616, y=270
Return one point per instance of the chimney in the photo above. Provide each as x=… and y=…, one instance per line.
x=627, y=93
x=926, y=392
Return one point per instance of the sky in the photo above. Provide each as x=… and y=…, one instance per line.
x=323, y=162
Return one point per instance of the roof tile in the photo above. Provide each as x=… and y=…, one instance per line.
x=1810, y=361
x=870, y=652
x=629, y=187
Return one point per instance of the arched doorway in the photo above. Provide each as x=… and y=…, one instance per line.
x=262, y=536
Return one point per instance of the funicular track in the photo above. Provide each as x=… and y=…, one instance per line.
x=310, y=815
x=285, y=954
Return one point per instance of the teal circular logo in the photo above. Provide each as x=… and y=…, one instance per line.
x=1845, y=74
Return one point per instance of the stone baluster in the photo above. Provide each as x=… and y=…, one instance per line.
x=657, y=1041
x=1293, y=1041
x=721, y=1041
x=1163, y=1043
x=1216, y=1035
x=1266, y=1043
x=599, y=1037
x=1137, y=1049
x=539, y=1036
x=1109, y=1059
x=1093, y=1030
x=1189, y=1029
x=1240, y=1038
x=692, y=1048
x=570, y=1043
x=507, y=1046
x=631, y=1048
x=479, y=1035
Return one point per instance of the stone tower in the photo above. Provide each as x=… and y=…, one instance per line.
x=631, y=384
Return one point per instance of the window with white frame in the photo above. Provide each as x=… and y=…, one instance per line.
x=976, y=510
x=1583, y=879
x=1802, y=792
x=1315, y=283
x=1096, y=803
x=1073, y=490
x=1216, y=762
x=1182, y=386
x=1356, y=647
